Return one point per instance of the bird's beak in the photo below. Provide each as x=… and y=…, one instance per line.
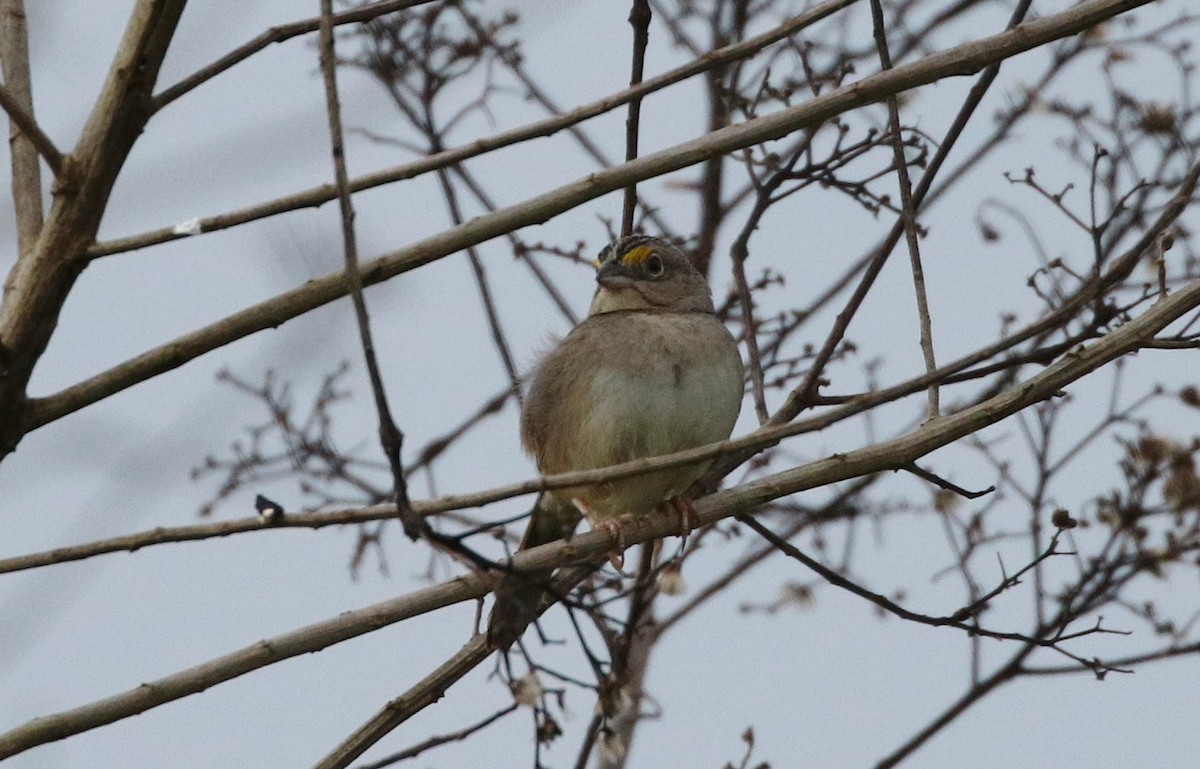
x=613, y=282
x=612, y=277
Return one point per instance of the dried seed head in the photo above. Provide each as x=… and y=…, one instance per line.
x=1158, y=119
x=527, y=690
x=1061, y=519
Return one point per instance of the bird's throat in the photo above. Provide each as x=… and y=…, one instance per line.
x=618, y=299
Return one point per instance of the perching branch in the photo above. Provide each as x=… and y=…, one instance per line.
x=932, y=435
x=1118, y=270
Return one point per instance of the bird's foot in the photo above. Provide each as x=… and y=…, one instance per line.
x=616, y=556
x=684, y=511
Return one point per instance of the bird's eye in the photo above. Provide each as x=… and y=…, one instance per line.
x=654, y=266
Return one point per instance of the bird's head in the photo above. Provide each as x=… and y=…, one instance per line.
x=641, y=272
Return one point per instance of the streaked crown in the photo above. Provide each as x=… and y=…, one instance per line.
x=630, y=250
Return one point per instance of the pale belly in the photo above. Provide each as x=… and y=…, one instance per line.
x=670, y=401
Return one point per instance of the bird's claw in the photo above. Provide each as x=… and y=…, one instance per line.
x=684, y=511
x=616, y=556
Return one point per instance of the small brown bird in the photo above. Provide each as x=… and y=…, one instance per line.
x=650, y=371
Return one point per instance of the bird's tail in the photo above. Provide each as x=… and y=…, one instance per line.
x=519, y=596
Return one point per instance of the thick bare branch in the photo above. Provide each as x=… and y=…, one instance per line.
x=38, y=285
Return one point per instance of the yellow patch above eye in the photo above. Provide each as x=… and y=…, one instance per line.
x=636, y=255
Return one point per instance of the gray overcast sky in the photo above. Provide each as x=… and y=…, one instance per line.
x=834, y=686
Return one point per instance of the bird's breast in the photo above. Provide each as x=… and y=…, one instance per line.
x=676, y=385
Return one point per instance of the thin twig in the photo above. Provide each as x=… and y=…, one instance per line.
x=276, y=35
x=537, y=93
x=740, y=252
x=639, y=19
x=942, y=483
x=390, y=437
x=481, y=282
x=750, y=329
x=909, y=210
x=808, y=388
x=518, y=247
x=958, y=620
x=589, y=741
x=441, y=739
x=1124, y=662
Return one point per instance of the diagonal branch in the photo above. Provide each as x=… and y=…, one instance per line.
x=976, y=693
x=277, y=35
x=428, y=691
x=440, y=739
x=961, y=60
x=31, y=131
x=566, y=121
